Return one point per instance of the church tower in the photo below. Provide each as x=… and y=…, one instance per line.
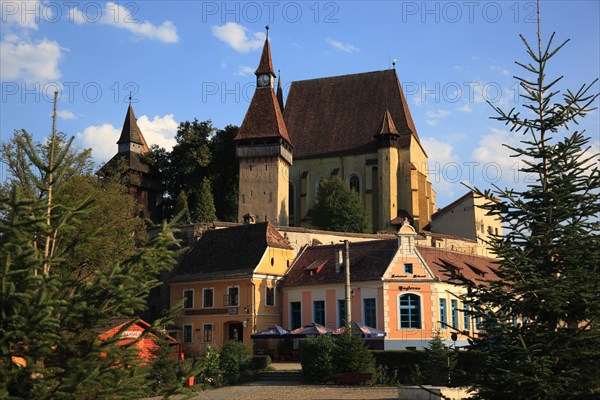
x=264, y=149
x=141, y=181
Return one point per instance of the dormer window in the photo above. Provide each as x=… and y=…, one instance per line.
x=315, y=267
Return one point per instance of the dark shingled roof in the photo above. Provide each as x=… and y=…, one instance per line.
x=128, y=159
x=368, y=261
x=473, y=267
x=131, y=131
x=263, y=119
x=328, y=116
x=387, y=125
x=229, y=252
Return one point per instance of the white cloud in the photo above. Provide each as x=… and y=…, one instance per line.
x=66, y=114
x=439, y=152
x=245, y=70
x=438, y=113
x=159, y=130
x=495, y=158
x=237, y=36
x=23, y=14
x=31, y=62
x=443, y=166
x=102, y=139
x=466, y=108
x=431, y=122
x=345, y=47
x=120, y=17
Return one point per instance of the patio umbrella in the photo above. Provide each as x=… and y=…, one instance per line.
x=272, y=332
x=312, y=329
x=365, y=331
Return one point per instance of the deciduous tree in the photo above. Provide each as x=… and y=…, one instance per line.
x=339, y=208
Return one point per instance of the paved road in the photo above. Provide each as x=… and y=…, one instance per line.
x=282, y=391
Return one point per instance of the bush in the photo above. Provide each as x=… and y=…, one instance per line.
x=260, y=363
x=316, y=356
x=210, y=367
x=235, y=361
x=400, y=366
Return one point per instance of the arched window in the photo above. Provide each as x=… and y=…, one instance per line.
x=354, y=183
x=409, y=309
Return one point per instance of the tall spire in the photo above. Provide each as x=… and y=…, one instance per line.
x=266, y=64
x=279, y=91
x=131, y=138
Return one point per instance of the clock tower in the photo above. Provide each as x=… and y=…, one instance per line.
x=264, y=149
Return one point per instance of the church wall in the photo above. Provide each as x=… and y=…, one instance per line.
x=388, y=183
x=306, y=175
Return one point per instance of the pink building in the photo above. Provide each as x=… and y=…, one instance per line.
x=397, y=287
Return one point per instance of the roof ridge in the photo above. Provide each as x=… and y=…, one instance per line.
x=343, y=75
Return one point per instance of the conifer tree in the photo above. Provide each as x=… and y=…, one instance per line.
x=50, y=317
x=205, y=210
x=182, y=210
x=350, y=353
x=541, y=319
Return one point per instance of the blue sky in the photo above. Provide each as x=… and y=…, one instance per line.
x=187, y=59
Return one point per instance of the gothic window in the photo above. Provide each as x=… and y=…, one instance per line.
x=354, y=183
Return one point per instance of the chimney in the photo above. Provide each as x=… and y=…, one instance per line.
x=339, y=261
x=249, y=219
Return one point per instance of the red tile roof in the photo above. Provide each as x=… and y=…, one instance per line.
x=476, y=268
x=228, y=252
x=341, y=114
x=316, y=264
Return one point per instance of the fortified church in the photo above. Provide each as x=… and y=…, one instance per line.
x=356, y=127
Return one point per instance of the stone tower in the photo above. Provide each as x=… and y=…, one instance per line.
x=264, y=150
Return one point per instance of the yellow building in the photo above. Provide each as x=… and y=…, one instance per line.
x=466, y=218
x=229, y=284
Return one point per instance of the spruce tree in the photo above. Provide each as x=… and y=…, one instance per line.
x=205, y=210
x=182, y=211
x=49, y=316
x=541, y=331
x=350, y=353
